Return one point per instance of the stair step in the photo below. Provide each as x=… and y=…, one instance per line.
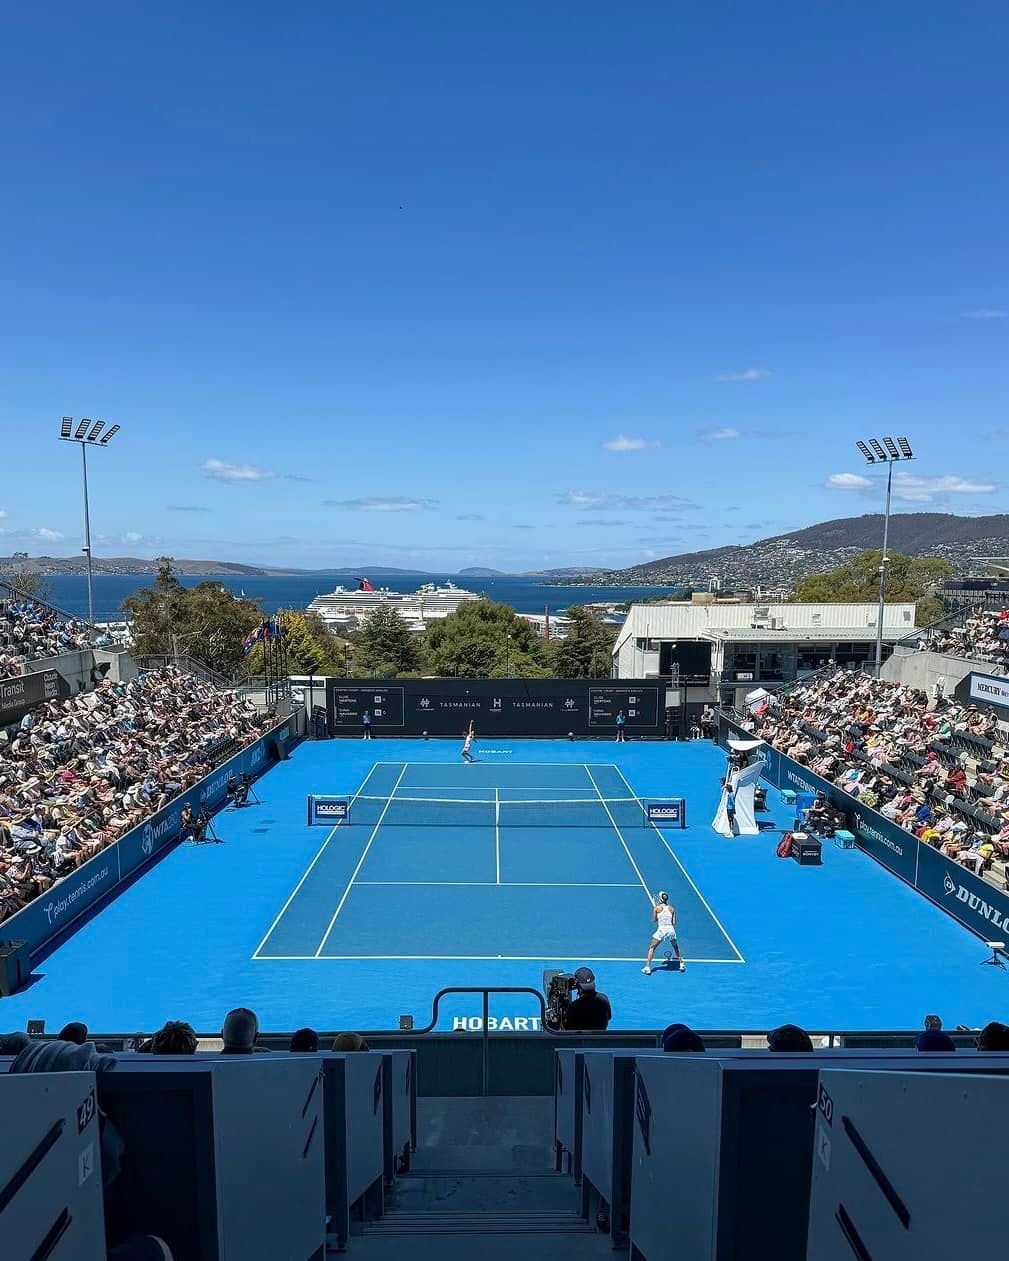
x=449, y=1223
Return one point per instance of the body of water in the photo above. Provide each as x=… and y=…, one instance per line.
x=525, y=595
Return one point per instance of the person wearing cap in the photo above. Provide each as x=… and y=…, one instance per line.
x=590, y=1010
x=664, y=915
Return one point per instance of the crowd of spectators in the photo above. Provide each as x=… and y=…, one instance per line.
x=984, y=636
x=75, y=775
x=934, y=766
x=30, y=632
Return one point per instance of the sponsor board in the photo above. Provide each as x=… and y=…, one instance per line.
x=670, y=814
x=327, y=809
x=496, y=1024
x=990, y=689
x=975, y=903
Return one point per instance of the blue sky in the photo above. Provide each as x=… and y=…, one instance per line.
x=515, y=285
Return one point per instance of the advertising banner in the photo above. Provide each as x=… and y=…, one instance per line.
x=52, y=912
x=971, y=900
x=990, y=689
x=497, y=707
x=18, y=696
x=884, y=841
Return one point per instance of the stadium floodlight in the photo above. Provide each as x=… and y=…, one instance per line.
x=87, y=434
x=889, y=457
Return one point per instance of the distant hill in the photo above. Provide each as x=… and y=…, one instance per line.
x=54, y=566
x=477, y=572
x=784, y=558
x=572, y=571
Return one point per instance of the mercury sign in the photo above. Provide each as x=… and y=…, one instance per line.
x=990, y=690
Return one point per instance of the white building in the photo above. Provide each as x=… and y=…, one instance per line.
x=724, y=650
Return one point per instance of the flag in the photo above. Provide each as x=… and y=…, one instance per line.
x=250, y=641
x=365, y=585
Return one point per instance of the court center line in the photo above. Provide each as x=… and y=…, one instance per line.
x=497, y=834
x=318, y=855
x=620, y=835
x=687, y=877
x=360, y=863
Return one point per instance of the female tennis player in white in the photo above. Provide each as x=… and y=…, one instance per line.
x=467, y=743
x=665, y=930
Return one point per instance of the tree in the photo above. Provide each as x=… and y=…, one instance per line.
x=586, y=651
x=311, y=648
x=28, y=584
x=385, y=646
x=484, y=639
x=207, y=621
x=857, y=582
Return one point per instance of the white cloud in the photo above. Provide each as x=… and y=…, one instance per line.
x=603, y=501
x=985, y=313
x=50, y=536
x=909, y=488
x=622, y=443
x=721, y=433
x=222, y=471
x=747, y=374
x=4, y=514
x=396, y=503
x=848, y=481
x=131, y=536
x=471, y=516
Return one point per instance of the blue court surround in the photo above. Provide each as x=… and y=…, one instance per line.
x=352, y=926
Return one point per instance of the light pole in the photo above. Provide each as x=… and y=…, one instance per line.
x=87, y=434
x=895, y=452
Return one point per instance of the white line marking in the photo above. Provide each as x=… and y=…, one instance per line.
x=318, y=855
x=620, y=836
x=360, y=863
x=486, y=958
x=497, y=834
x=686, y=874
x=490, y=884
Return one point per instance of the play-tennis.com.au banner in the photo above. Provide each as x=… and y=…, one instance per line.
x=58, y=908
x=966, y=897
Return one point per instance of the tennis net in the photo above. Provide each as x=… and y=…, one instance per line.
x=576, y=812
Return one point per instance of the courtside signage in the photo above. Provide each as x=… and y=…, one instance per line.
x=669, y=814
x=988, y=688
x=327, y=809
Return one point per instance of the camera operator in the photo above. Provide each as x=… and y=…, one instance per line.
x=194, y=826
x=590, y=1010
x=238, y=790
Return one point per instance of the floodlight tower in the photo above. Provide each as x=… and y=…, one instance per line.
x=894, y=453
x=87, y=434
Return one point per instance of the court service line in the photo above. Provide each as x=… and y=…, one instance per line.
x=319, y=853
x=400, y=958
x=360, y=863
x=673, y=855
x=497, y=834
x=620, y=835
x=490, y=884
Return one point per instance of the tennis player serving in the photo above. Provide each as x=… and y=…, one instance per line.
x=664, y=916
x=467, y=742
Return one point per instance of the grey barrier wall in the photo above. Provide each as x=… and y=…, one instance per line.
x=977, y=905
x=585, y=708
x=52, y=913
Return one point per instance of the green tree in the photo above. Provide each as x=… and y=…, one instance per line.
x=310, y=647
x=385, y=646
x=586, y=651
x=206, y=621
x=484, y=639
x=28, y=584
x=857, y=582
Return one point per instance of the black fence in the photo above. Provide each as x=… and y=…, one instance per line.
x=583, y=708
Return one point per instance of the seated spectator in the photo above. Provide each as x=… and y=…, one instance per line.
x=304, y=1040
x=934, y=1040
x=175, y=1037
x=590, y=1010
x=75, y=1031
x=993, y=1037
x=789, y=1038
x=241, y=1028
x=679, y=1038
x=350, y=1042
x=13, y=1043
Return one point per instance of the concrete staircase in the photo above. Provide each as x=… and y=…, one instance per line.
x=483, y=1185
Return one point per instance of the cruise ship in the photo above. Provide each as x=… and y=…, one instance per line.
x=345, y=609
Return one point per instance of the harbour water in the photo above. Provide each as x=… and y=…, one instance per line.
x=525, y=595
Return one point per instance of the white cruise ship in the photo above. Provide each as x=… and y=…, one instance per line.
x=344, y=609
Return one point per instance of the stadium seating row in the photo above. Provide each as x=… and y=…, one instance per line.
x=261, y=1157
x=737, y=1154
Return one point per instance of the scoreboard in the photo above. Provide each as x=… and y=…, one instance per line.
x=640, y=706
x=497, y=707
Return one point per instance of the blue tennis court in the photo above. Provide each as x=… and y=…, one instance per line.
x=538, y=856
x=484, y=855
